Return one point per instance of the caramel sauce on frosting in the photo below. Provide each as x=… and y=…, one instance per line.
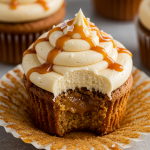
x=47, y=66
x=14, y=4
x=44, y=4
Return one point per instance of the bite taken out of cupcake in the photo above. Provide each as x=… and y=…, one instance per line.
x=78, y=78
x=22, y=22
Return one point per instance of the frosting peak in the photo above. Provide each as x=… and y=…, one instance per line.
x=80, y=26
x=77, y=54
x=80, y=19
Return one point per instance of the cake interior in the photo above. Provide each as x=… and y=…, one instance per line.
x=85, y=110
x=81, y=109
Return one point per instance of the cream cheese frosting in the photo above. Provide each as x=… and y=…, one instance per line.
x=77, y=65
x=144, y=13
x=27, y=10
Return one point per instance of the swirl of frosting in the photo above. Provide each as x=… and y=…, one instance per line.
x=144, y=13
x=27, y=10
x=77, y=54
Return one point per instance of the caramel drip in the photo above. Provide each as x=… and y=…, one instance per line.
x=29, y=51
x=61, y=41
x=39, y=41
x=32, y=50
x=123, y=50
x=44, y=68
x=44, y=4
x=69, y=23
x=53, y=30
x=111, y=63
x=102, y=38
x=14, y=4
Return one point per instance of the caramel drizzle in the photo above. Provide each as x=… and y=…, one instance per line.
x=14, y=4
x=48, y=65
x=44, y=4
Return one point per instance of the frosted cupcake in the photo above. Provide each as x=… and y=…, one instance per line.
x=117, y=9
x=22, y=22
x=77, y=78
x=143, y=32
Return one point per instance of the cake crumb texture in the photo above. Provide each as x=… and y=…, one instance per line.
x=14, y=108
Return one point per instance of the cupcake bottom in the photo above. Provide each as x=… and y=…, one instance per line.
x=16, y=38
x=101, y=115
x=117, y=9
x=144, y=43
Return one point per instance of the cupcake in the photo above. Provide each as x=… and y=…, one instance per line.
x=143, y=32
x=77, y=79
x=117, y=9
x=22, y=22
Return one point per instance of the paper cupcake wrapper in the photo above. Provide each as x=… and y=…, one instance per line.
x=16, y=119
x=144, y=43
x=115, y=9
x=13, y=45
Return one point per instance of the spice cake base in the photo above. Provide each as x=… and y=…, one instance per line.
x=68, y=113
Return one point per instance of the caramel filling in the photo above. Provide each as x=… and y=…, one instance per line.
x=14, y=4
x=79, y=103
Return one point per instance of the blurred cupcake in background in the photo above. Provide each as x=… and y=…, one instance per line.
x=124, y=10
x=21, y=23
x=143, y=32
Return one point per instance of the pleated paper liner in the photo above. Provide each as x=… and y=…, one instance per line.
x=13, y=45
x=15, y=118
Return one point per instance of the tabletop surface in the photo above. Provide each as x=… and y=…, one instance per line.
x=125, y=32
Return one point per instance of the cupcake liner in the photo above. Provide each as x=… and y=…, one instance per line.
x=144, y=43
x=16, y=119
x=13, y=45
x=117, y=9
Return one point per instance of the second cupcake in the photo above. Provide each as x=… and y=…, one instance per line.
x=21, y=23
x=117, y=9
x=143, y=32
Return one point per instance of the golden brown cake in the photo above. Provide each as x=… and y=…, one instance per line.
x=117, y=9
x=143, y=32
x=78, y=78
x=22, y=22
